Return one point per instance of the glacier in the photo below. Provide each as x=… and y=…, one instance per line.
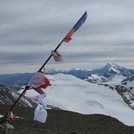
x=73, y=94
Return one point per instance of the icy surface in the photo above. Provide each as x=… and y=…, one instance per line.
x=70, y=93
x=115, y=80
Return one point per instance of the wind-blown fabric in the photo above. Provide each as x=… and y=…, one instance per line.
x=57, y=56
x=39, y=81
x=11, y=116
x=67, y=38
x=40, y=99
x=40, y=114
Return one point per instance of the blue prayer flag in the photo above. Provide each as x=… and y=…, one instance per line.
x=67, y=38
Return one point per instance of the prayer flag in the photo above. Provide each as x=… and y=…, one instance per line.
x=39, y=81
x=67, y=38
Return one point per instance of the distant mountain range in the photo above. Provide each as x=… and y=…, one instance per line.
x=111, y=74
x=9, y=80
x=100, y=75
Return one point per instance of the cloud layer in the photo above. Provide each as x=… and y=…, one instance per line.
x=29, y=30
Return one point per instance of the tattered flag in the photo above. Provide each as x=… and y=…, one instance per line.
x=39, y=81
x=40, y=99
x=67, y=38
x=11, y=116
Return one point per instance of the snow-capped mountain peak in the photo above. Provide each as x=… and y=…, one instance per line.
x=113, y=67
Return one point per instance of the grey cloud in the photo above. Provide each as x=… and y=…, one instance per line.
x=29, y=30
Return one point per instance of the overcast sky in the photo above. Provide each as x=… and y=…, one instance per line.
x=31, y=29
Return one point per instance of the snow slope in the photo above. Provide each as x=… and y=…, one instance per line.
x=70, y=93
x=115, y=80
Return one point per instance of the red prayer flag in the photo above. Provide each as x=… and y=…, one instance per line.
x=11, y=116
x=39, y=81
x=67, y=38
